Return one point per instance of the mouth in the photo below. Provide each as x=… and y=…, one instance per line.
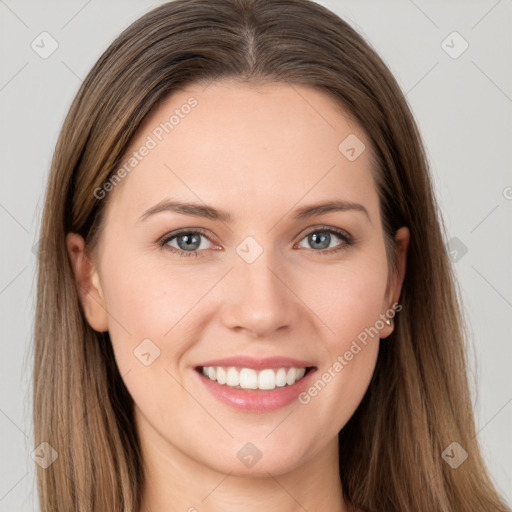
x=253, y=384
x=264, y=379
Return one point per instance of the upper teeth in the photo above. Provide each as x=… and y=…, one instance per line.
x=247, y=378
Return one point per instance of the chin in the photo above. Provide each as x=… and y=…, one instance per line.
x=258, y=459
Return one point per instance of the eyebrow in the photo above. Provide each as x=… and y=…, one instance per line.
x=209, y=212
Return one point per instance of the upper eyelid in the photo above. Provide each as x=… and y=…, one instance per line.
x=338, y=231
x=174, y=234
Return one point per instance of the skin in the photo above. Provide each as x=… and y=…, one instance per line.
x=277, y=148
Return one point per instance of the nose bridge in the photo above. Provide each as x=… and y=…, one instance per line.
x=259, y=301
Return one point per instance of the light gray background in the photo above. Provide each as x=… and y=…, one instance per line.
x=463, y=108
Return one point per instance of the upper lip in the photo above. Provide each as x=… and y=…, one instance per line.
x=258, y=363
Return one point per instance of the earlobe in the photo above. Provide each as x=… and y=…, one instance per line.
x=88, y=283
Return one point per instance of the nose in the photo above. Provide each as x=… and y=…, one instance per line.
x=258, y=299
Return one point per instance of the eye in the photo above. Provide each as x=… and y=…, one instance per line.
x=185, y=243
x=321, y=238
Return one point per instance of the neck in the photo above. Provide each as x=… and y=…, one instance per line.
x=176, y=482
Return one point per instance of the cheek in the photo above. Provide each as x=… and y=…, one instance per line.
x=150, y=309
x=348, y=298
x=146, y=301
x=350, y=305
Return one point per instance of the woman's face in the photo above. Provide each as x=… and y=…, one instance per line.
x=253, y=283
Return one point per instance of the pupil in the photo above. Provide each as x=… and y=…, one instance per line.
x=324, y=237
x=188, y=241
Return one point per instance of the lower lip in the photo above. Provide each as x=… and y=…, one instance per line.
x=257, y=400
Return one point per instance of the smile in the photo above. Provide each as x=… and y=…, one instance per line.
x=249, y=378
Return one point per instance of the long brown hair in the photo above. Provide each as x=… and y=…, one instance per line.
x=417, y=403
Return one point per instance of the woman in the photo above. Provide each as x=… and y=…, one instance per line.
x=265, y=370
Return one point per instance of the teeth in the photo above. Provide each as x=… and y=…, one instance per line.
x=221, y=375
x=233, y=377
x=248, y=378
x=290, y=376
x=266, y=379
x=281, y=377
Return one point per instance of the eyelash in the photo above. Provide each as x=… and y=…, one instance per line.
x=347, y=241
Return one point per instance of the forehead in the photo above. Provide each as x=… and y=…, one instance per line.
x=253, y=148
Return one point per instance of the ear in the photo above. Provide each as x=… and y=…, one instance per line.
x=402, y=237
x=88, y=283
